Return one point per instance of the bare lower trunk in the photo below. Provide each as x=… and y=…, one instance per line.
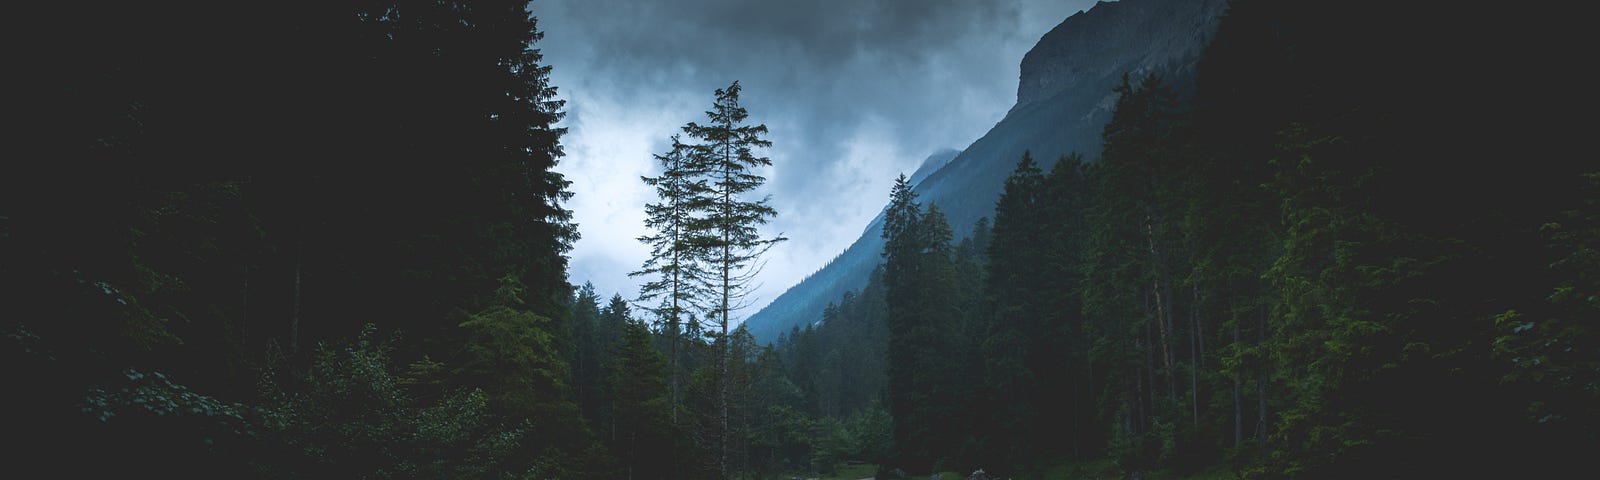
x=727, y=346
x=727, y=341
x=1163, y=322
x=1161, y=328
x=1196, y=344
x=674, y=323
x=726, y=383
x=674, y=331
x=673, y=402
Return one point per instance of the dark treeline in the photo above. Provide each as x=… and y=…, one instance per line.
x=1334, y=257
x=297, y=240
x=325, y=240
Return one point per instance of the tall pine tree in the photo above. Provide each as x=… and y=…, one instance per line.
x=679, y=286
x=729, y=240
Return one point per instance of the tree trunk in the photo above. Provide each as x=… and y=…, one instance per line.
x=1162, y=315
x=673, y=332
x=1195, y=353
x=674, y=329
x=727, y=341
x=727, y=351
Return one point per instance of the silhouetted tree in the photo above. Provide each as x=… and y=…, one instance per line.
x=729, y=242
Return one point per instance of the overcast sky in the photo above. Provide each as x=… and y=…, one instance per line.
x=855, y=92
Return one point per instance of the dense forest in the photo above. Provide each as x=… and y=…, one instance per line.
x=326, y=240
x=1303, y=266
x=310, y=240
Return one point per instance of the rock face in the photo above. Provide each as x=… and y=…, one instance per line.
x=1134, y=36
x=1064, y=99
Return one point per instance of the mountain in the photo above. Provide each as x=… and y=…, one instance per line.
x=933, y=163
x=1064, y=99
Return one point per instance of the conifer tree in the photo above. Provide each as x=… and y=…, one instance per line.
x=727, y=237
x=643, y=441
x=1015, y=322
x=900, y=268
x=926, y=399
x=586, y=350
x=515, y=356
x=680, y=283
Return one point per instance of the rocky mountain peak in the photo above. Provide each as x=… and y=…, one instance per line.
x=1112, y=38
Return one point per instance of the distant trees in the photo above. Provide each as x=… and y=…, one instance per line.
x=817, y=401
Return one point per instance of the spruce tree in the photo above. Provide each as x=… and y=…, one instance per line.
x=1015, y=326
x=900, y=221
x=727, y=236
x=680, y=280
x=587, y=351
x=927, y=398
x=515, y=356
x=643, y=438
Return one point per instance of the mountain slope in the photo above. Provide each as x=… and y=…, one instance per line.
x=1063, y=101
x=933, y=163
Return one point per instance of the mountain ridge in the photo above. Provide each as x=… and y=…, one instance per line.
x=1064, y=98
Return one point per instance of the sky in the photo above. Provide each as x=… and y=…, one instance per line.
x=854, y=92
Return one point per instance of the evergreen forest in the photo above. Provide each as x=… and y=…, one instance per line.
x=330, y=240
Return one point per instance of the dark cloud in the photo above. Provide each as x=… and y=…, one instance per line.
x=854, y=92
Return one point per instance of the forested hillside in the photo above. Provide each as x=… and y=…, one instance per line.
x=328, y=240
x=1311, y=268
x=1063, y=99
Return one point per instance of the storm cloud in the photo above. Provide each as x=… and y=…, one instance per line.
x=854, y=92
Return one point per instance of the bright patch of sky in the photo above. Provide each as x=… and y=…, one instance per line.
x=855, y=92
